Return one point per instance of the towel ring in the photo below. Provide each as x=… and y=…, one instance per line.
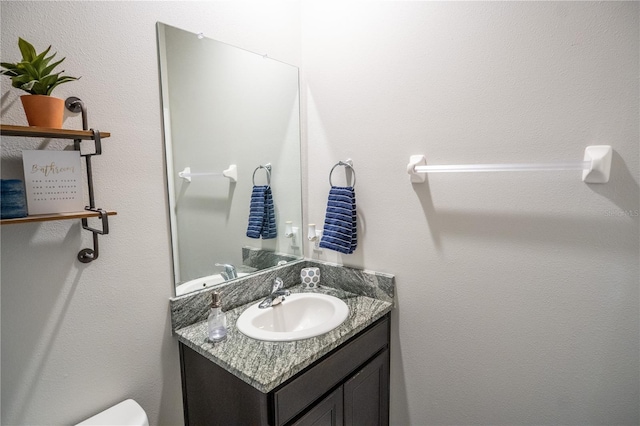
x=267, y=168
x=345, y=164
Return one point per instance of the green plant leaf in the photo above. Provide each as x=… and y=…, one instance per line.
x=29, y=86
x=38, y=88
x=49, y=80
x=30, y=70
x=43, y=85
x=47, y=70
x=22, y=78
x=41, y=56
x=11, y=69
x=27, y=50
x=60, y=81
x=8, y=65
x=39, y=63
x=47, y=60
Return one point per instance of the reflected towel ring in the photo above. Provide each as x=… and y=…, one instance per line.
x=348, y=164
x=267, y=168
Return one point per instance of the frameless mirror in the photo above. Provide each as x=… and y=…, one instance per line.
x=231, y=127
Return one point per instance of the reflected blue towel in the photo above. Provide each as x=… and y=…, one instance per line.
x=339, y=231
x=262, y=217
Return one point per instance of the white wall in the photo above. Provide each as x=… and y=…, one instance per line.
x=78, y=338
x=517, y=293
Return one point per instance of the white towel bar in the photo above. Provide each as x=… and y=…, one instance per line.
x=231, y=173
x=596, y=166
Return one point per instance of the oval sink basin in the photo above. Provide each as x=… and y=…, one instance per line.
x=202, y=282
x=300, y=316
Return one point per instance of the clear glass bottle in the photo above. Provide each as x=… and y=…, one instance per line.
x=217, y=320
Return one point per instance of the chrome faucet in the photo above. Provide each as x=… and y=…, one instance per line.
x=277, y=295
x=229, y=272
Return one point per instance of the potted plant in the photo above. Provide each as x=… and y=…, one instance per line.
x=34, y=74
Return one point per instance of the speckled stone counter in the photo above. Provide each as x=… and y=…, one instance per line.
x=265, y=365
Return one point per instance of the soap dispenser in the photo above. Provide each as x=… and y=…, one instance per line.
x=217, y=321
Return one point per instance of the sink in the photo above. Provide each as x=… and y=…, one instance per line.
x=300, y=316
x=203, y=282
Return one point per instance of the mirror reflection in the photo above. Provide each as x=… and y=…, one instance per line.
x=232, y=138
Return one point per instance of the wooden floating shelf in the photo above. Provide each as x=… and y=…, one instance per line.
x=53, y=216
x=43, y=132
x=85, y=255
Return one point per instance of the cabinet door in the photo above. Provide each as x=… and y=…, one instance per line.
x=214, y=397
x=366, y=395
x=300, y=392
x=328, y=412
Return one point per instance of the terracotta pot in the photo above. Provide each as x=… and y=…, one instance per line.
x=43, y=111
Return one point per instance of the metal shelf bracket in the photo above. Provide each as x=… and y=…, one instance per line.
x=88, y=255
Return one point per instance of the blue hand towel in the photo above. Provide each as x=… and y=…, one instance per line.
x=339, y=232
x=262, y=217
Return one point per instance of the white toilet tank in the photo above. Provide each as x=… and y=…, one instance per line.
x=127, y=413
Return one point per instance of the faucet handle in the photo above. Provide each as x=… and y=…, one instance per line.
x=229, y=272
x=281, y=296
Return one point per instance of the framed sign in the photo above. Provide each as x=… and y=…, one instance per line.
x=53, y=181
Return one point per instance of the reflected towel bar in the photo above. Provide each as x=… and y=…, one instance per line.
x=231, y=173
x=596, y=166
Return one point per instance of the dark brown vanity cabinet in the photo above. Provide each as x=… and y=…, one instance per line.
x=349, y=386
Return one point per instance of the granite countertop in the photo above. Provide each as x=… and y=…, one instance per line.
x=266, y=365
